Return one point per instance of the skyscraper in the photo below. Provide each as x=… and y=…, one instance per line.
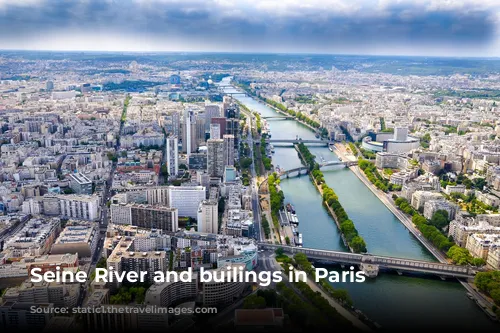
x=172, y=155
x=215, y=157
x=208, y=218
x=228, y=149
x=189, y=143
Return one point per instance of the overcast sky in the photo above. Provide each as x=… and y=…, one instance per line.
x=399, y=27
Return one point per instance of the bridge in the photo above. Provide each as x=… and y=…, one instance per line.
x=278, y=118
x=398, y=264
x=304, y=170
x=297, y=141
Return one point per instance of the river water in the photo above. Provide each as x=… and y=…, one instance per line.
x=395, y=302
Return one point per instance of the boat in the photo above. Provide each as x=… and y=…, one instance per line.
x=290, y=208
x=317, y=136
x=330, y=148
x=299, y=242
x=340, y=159
x=470, y=296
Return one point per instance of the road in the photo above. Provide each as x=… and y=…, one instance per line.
x=103, y=223
x=254, y=185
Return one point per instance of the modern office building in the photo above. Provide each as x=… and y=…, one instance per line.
x=189, y=141
x=397, y=142
x=226, y=292
x=208, y=217
x=172, y=156
x=229, y=174
x=145, y=216
x=80, y=183
x=186, y=199
x=215, y=157
x=221, y=121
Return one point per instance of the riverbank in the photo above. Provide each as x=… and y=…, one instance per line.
x=481, y=300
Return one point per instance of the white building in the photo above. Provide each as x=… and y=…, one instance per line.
x=216, y=157
x=208, y=218
x=172, y=156
x=84, y=207
x=186, y=199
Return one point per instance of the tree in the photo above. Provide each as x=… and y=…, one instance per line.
x=279, y=252
x=164, y=170
x=183, y=166
x=254, y=302
x=440, y=219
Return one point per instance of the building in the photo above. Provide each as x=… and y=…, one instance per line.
x=197, y=161
x=228, y=149
x=145, y=216
x=172, y=156
x=229, y=174
x=211, y=111
x=59, y=294
x=397, y=142
x=221, y=121
x=78, y=237
x=259, y=319
x=172, y=293
x=432, y=206
x=46, y=263
x=419, y=198
x=80, y=206
x=80, y=184
x=215, y=157
x=391, y=160
x=17, y=316
x=454, y=189
x=186, y=199
x=189, y=142
x=35, y=238
x=155, y=217
x=215, y=132
x=208, y=217
x=480, y=244
x=225, y=292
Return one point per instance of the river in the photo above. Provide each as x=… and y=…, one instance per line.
x=395, y=302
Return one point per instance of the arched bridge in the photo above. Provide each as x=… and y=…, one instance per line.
x=398, y=264
x=304, y=170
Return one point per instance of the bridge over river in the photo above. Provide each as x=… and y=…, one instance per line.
x=398, y=264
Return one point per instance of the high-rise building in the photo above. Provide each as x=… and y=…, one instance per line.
x=200, y=130
x=155, y=217
x=208, y=217
x=228, y=149
x=50, y=86
x=215, y=157
x=172, y=156
x=211, y=111
x=189, y=141
x=222, y=124
x=215, y=131
x=172, y=123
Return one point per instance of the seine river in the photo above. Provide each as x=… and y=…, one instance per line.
x=393, y=301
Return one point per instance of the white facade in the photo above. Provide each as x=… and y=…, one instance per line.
x=172, y=156
x=186, y=199
x=208, y=217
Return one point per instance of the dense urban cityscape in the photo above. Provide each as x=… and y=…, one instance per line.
x=145, y=162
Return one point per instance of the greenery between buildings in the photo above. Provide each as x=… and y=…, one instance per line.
x=371, y=172
x=431, y=229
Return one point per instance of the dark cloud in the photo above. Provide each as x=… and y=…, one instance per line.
x=397, y=25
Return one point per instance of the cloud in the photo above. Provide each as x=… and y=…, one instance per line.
x=339, y=26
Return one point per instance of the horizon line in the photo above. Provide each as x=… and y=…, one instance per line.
x=254, y=52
